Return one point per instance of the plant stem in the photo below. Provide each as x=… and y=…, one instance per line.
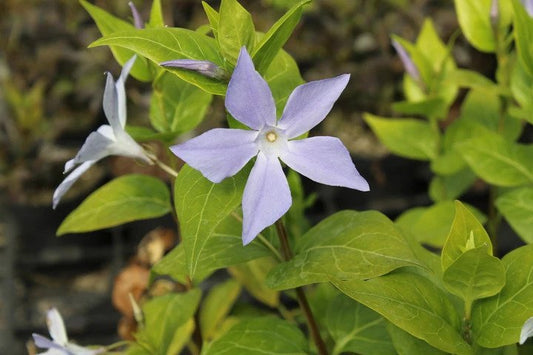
x=302, y=299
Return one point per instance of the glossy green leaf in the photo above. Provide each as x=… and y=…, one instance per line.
x=163, y=44
x=497, y=321
x=156, y=15
x=259, y=336
x=211, y=232
x=252, y=276
x=108, y=24
x=523, y=31
x=430, y=225
x=124, y=199
x=406, y=344
x=466, y=233
x=357, y=329
x=174, y=264
x=275, y=38
x=216, y=306
x=177, y=106
x=474, y=19
x=397, y=135
x=497, y=160
x=412, y=303
x=235, y=30
x=517, y=208
x=346, y=245
x=475, y=274
x=213, y=17
x=163, y=317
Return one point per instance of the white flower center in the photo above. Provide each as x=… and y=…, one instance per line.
x=271, y=141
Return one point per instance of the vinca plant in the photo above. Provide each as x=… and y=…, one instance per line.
x=433, y=281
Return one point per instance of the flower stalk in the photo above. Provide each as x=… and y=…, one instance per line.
x=300, y=295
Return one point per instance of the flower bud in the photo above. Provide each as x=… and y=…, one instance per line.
x=204, y=67
x=137, y=20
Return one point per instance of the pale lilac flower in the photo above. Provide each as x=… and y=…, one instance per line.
x=527, y=330
x=494, y=12
x=59, y=345
x=222, y=152
x=408, y=64
x=109, y=139
x=203, y=67
x=528, y=5
x=137, y=19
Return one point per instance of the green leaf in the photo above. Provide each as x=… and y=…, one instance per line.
x=466, y=233
x=497, y=160
x=428, y=107
x=213, y=17
x=346, y=245
x=156, y=15
x=211, y=232
x=517, y=208
x=450, y=187
x=163, y=44
x=397, y=135
x=108, y=24
x=465, y=78
x=523, y=33
x=144, y=134
x=412, y=303
x=259, y=336
x=356, y=328
x=475, y=274
x=182, y=335
x=177, y=106
x=474, y=19
x=125, y=199
x=275, y=38
x=497, y=321
x=174, y=264
x=163, y=317
x=252, y=277
x=216, y=306
x=406, y=344
x=522, y=89
x=235, y=30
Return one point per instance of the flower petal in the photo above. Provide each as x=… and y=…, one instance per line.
x=527, y=330
x=325, y=160
x=248, y=97
x=96, y=147
x=218, y=153
x=69, y=181
x=266, y=196
x=114, y=101
x=56, y=327
x=137, y=19
x=43, y=342
x=309, y=104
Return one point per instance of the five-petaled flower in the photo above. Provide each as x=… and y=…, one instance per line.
x=222, y=152
x=59, y=345
x=109, y=139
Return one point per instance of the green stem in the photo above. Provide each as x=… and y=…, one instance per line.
x=162, y=165
x=300, y=295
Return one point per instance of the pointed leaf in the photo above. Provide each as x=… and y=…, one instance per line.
x=474, y=18
x=414, y=304
x=216, y=306
x=275, y=38
x=235, y=30
x=124, y=199
x=346, y=245
x=517, y=208
x=497, y=321
x=523, y=31
x=259, y=336
x=156, y=15
x=466, y=233
x=213, y=17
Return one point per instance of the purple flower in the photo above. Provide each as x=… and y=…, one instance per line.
x=204, y=67
x=59, y=345
x=528, y=5
x=222, y=152
x=408, y=64
x=137, y=19
x=109, y=139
